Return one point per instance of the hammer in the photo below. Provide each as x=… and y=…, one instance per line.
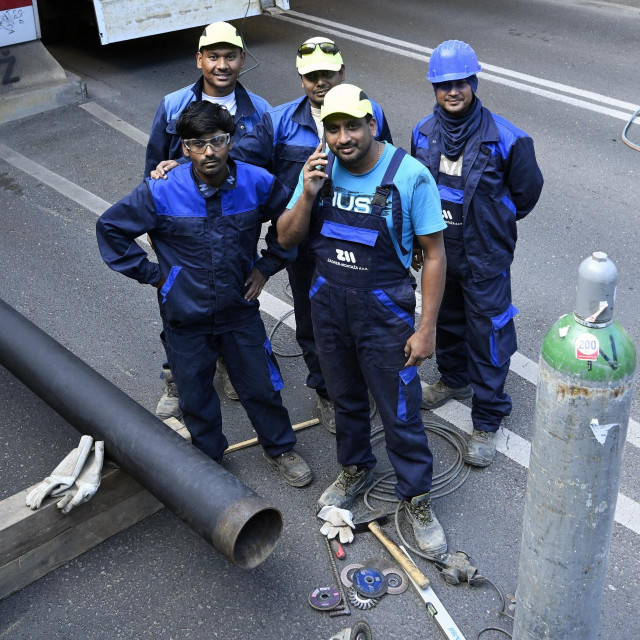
x=371, y=521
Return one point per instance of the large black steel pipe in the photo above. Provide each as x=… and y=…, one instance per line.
x=228, y=515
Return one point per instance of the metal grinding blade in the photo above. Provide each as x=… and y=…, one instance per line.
x=359, y=602
x=369, y=582
x=397, y=582
x=324, y=598
x=347, y=572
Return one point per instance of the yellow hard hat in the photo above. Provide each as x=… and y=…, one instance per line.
x=347, y=99
x=219, y=32
x=318, y=54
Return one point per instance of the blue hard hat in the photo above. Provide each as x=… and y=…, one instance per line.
x=452, y=60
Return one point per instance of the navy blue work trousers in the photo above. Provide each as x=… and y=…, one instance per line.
x=360, y=342
x=476, y=337
x=254, y=373
x=300, y=277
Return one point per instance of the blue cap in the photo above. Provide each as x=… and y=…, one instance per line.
x=452, y=60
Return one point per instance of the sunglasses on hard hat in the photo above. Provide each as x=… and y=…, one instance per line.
x=309, y=47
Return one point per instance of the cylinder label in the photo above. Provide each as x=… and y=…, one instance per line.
x=587, y=347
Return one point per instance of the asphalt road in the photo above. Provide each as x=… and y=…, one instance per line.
x=159, y=580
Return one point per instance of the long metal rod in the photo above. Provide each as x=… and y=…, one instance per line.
x=227, y=514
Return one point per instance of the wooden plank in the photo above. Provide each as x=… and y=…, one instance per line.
x=22, y=529
x=74, y=541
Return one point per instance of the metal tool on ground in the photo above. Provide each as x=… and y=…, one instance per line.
x=360, y=631
x=371, y=522
x=369, y=582
x=581, y=417
x=435, y=608
x=344, y=611
x=361, y=602
x=324, y=598
x=347, y=572
x=397, y=582
x=456, y=568
x=338, y=549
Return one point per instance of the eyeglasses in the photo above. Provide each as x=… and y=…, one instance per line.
x=309, y=47
x=200, y=145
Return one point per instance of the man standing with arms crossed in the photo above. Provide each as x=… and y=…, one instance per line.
x=281, y=143
x=362, y=206
x=488, y=178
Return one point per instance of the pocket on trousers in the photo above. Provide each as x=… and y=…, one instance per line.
x=323, y=329
x=502, y=339
x=272, y=363
x=408, y=394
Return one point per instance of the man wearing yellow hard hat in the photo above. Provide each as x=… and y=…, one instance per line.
x=220, y=57
x=281, y=142
x=362, y=205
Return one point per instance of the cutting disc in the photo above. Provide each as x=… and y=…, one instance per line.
x=397, y=582
x=324, y=598
x=347, y=572
x=369, y=582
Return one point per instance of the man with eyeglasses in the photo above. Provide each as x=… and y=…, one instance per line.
x=205, y=222
x=220, y=57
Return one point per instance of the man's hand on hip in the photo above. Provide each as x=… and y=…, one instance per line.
x=255, y=282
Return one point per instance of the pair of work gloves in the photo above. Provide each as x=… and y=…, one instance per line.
x=76, y=479
x=338, y=523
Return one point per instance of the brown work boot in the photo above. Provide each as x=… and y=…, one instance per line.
x=481, y=448
x=293, y=469
x=427, y=531
x=346, y=488
x=227, y=387
x=435, y=395
x=326, y=413
x=168, y=405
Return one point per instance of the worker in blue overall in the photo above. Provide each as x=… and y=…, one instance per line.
x=220, y=57
x=281, y=143
x=362, y=205
x=488, y=179
x=205, y=221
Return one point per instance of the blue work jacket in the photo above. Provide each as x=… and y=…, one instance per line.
x=164, y=142
x=502, y=184
x=206, y=246
x=286, y=136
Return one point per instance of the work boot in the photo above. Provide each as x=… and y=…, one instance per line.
x=326, y=413
x=293, y=469
x=481, y=448
x=427, y=531
x=435, y=395
x=227, y=387
x=347, y=487
x=168, y=406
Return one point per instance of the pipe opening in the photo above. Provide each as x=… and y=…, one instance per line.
x=257, y=538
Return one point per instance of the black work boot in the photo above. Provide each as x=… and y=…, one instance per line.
x=435, y=395
x=346, y=488
x=427, y=531
x=326, y=413
x=292, y=467
x=481, y=448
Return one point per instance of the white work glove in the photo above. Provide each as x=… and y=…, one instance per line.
x=87, y=482
x=339, y=522
x=63, y=476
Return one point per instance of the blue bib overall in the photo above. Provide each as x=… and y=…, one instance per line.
x=363, y=306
